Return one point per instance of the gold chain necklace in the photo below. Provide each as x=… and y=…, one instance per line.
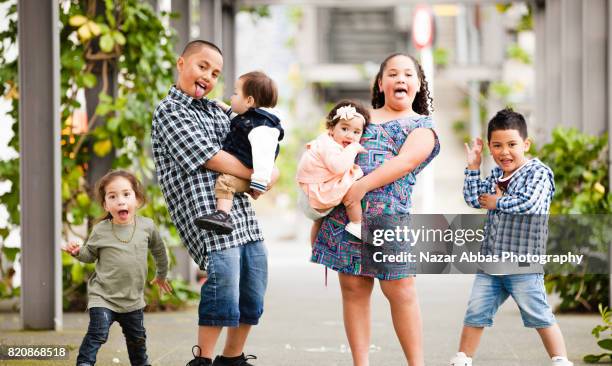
x=118, y=238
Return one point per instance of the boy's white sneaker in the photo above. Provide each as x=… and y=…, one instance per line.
x=461, y=359
x=354, y=229
x=561, y=361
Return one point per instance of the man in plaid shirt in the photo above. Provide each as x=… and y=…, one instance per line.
x=187, y=134
x=517, y=196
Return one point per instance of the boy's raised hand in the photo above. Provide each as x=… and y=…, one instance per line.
x=72, y=248
x=474, y=154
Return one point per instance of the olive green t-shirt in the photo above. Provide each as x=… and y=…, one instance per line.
x=121, y=268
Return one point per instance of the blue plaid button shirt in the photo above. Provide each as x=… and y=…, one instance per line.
x=519, y=224
x=186, y=133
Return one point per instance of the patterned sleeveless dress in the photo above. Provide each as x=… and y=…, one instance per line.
x=337, y=249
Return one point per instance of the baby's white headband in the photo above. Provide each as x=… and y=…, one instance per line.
x=347, y=113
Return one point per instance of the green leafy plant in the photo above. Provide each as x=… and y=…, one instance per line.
x=9, y=169
x=257, y=12
x=440, y=56
x=125, y=50
x=517, y=53
x=526, y=21
x=579, y=162
x=603, y=333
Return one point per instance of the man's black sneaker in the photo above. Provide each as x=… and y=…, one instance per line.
x=197, y=360
x=219, y=222
x=234, y=361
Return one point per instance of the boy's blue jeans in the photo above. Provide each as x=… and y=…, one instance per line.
x=100, y=321
x=234, y=290
x=527, y=290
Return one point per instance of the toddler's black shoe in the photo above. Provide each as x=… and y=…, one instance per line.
x=234, y=361
x=219, y=222
x=197, y=360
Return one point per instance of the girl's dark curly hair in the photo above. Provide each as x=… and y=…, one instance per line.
x=422, y=104
x=330, y=122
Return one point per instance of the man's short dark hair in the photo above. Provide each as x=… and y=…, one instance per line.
x=196, y=45
x=507, y=119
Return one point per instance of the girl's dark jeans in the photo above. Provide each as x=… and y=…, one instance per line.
x=100, y=321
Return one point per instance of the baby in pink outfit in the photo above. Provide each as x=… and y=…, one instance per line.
x=327, y=169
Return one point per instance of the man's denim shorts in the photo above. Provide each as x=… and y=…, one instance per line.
x=235, y=288
x=527, y=290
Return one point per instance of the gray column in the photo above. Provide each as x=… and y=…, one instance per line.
x=541, y=134
x=39, y=138
x=181, y=24
x=229, y=48
x=493, y=36
x=553, y=63
x=210, y=21
x=594, y=60
x=474, y=59
x=571, y=63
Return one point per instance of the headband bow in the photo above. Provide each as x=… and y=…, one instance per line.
x=347, y=113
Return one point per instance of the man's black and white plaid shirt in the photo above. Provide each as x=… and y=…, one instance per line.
x=186, y=133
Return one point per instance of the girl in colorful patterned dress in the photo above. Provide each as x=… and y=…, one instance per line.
x=400, y=142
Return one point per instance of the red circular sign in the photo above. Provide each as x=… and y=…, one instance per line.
x=422, y=27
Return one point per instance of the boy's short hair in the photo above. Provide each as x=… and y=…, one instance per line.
x=507, y=119
x=197, y=44
x=258, y=85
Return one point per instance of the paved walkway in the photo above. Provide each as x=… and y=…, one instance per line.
x=302, y=324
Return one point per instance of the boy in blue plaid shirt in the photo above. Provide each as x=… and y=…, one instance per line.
x=517, y=186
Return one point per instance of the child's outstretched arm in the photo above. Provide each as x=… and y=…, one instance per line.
x=84, y=254
x=158, y=249
x=530, y=199
x=473, y=186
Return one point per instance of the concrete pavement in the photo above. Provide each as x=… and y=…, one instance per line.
x=302, y=324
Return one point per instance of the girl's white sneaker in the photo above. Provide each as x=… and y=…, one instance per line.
x=461, y=359
x=561, y=361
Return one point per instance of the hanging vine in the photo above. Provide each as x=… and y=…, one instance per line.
x=123, y=48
